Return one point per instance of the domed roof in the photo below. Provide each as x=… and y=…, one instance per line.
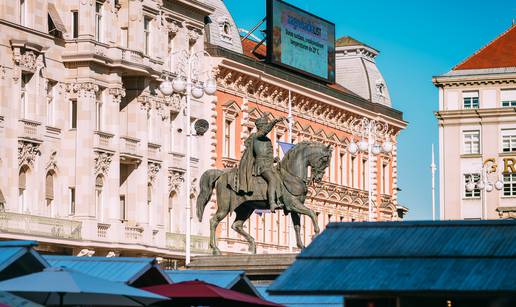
x=222, y=30
x=356, y=70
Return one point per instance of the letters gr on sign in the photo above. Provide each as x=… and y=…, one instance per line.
x=509, y=165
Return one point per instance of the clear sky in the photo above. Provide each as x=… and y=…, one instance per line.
x=417, y=40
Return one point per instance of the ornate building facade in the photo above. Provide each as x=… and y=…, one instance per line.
x=248, y=88
x=92, y=154
x=477, y=133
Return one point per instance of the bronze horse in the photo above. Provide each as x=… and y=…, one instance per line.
x=293, y=169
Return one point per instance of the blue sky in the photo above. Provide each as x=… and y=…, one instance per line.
x=417, y=40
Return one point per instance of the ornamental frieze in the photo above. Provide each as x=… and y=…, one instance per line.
x=118, y=93
x=102, y=162
x=27, y=153
x=82, y=89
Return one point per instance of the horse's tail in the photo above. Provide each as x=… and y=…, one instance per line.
x=207, y=184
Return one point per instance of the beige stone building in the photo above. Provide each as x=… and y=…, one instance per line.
x=477, y=130
x=92, y=154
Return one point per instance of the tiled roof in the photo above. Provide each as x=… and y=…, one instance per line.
x=501, y=52
x=248, y=45
x=120, y=269
x=406, y=257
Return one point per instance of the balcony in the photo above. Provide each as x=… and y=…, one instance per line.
x=153, y=151
x=30, y=130
x=129, y=150
x=102, y=140
x=198, y=244
x=102, y=230
x=33, y=225
x=134, y=234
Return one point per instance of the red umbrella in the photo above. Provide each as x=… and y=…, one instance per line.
x=201, y=293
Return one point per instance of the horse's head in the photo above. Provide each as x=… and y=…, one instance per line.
x=319, y=161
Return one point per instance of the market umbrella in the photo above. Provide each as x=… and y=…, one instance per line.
x=8, y=299
x=62, y=286
x=197, y=292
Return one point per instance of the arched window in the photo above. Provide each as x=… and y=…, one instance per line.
x=149, y=202
x=22, y=189
x=99, y=186
x=49, y=191
x=172, y=199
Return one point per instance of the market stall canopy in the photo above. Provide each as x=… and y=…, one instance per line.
x=202, y=293
x=137, y=272
x=19, y=258
x=61, y=286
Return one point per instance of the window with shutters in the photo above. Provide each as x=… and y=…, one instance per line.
x=508, y=98
x=471, y=142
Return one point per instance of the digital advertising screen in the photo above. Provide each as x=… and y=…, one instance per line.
x=300, y=41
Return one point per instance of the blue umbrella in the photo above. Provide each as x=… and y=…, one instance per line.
x=62, y=286
x=13, y=300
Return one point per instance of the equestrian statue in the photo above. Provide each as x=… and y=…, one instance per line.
x=259, y=183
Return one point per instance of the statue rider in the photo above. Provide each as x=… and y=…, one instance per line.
x=258, y=160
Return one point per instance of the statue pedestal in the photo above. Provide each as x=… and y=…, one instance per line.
x=263, y=268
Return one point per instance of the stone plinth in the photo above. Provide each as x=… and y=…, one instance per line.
x=259, y=268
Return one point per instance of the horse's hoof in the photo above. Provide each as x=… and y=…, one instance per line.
x=301, y=246
x=216, y=252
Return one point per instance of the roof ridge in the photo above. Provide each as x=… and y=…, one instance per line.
x=485, y=46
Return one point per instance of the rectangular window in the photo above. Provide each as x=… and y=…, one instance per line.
x=24, y=95
x=123, y=216
x=353, y=172
x=75, y=24
x=508, y=98
x=509, y=140
x=471, y=142
x=99, y=114
x=470, y=100
x=227, y=138
x=364, y=174
x=73, y=114
x=146, y=33
x=23, y=12
x=384, y=179
x=98, y=21
x=509, y=185
x=341, y=168
x=71, y=192
x=50, y=102
x=474, y=178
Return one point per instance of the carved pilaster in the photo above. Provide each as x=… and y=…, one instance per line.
x=152, y=171
x=102, y=162
x=27, y=153
x=52, y=162
x=175, y=180
x=145, y=102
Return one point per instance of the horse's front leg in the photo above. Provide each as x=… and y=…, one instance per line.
x=242, y=214
x=296, y=221
x=300, y=208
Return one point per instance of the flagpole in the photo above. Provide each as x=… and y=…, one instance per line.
x=289, y=118
x=433, y=168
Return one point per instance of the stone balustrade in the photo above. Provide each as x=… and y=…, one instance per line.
x=103, y=140
x=177, y=242
x=17, y=223
x=30, y=129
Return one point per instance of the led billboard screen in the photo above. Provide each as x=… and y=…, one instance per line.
x=300, y=41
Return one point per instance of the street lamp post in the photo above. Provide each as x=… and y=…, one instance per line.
x=484, y=184
x=374, y=131
x=187, y=81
